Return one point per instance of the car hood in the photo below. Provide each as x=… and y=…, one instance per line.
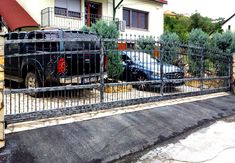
x=155, y=67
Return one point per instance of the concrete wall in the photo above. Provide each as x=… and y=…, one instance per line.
x=2, y=124
x=231, y=22
x=34, y=7
x=155, y=11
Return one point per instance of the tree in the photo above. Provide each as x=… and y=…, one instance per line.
x=110, y=31
x=170, y=47
x=207, y=24
x=183, y=25
x=222, y=41
x=146, y=43
x=178, y=24
x=199, y=40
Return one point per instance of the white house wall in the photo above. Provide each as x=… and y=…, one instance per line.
x=34, y=7
x=155, y=10
x=231, y=22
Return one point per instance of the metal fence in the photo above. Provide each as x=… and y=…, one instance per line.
x=53, y=73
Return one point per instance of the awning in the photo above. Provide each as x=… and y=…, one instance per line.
x=15, y=16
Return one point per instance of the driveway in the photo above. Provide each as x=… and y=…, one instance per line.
x=112, y=137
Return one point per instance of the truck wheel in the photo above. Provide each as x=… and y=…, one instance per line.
x=32, y=81
x=143, y=86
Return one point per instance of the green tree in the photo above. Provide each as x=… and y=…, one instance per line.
x=178, y=24
x=222, y=41
x=199, y=40
x=170, y=47
x=109, y=31
x=198, y=37
x=207, y=24
x=146, y=43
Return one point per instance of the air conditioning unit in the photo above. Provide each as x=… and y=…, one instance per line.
x=122, y=26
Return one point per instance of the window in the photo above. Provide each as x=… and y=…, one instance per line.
x=71, y=8
x=135, y=18
x=229, y=27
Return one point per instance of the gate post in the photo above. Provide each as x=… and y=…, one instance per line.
x=233, y=73
x=2, y=123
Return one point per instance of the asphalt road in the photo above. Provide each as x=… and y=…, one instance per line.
x=212, y=144
x=110, y=138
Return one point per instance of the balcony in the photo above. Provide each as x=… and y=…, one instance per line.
x=62, y=18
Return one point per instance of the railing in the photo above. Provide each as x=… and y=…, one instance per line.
x=81, y=72
x=62, y=18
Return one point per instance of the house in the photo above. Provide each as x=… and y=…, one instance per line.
x=14, y=17
x=134, y=17
x=229, y=24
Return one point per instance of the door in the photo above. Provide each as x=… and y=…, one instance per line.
x=93, y=12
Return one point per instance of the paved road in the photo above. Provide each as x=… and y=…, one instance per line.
x=213, y=144
x=109, y=138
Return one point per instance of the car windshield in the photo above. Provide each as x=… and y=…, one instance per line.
x=141, y=57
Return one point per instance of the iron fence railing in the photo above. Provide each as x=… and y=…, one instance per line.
x=63, y=18
x=49, y=75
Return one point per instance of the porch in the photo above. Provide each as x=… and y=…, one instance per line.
x=75, y=14
x=59, y=18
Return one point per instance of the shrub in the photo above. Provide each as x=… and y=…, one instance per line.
x=146, y=43
x=85, y=28
x=110, y=31
x=222, y=42
x=105, y=30
x=199, y=39
x=170, y=47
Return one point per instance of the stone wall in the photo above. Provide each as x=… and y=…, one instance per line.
x=2, y=124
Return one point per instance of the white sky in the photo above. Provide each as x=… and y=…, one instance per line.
x=210, y=8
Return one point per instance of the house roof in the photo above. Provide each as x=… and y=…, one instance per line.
x=161, y=1
x=15, y=16
x=228, y=19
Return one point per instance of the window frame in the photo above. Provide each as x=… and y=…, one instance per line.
x=66, y=12
x=130, y=18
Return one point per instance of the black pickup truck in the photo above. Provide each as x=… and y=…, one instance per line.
x=53, y=57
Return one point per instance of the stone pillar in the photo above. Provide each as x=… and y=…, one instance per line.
x=2, y=124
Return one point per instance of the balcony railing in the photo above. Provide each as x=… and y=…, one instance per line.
x=62, y=18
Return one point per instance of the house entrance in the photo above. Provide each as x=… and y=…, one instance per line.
x=93, y=12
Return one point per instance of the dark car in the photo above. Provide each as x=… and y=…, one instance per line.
x=140, y=66
x=51, y=57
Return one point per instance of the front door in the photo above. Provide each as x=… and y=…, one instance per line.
x=93, y=12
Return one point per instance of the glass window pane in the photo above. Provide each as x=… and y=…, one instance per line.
x=134, y=19
x=143, y=20
x=126, y=17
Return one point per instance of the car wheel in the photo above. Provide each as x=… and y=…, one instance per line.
x=142, y=86
x=32, y=81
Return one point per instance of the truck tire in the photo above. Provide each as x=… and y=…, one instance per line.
x=32, y=81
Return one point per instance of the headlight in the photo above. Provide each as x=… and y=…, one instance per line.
x=156, y=74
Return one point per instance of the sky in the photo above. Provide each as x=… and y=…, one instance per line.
x=211, y=8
